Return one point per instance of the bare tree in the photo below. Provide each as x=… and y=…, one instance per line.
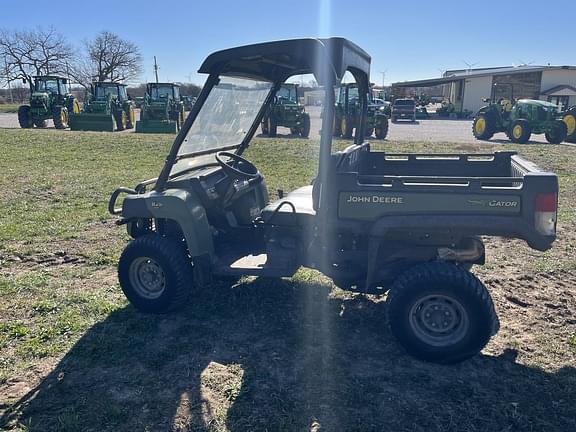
x=109, y=58
x=34, y=52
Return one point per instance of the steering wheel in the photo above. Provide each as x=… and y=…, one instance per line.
x=248, y=171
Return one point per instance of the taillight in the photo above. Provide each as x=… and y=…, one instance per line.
x=545, y=214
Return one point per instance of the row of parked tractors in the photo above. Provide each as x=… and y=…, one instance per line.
x=288, y=112
x=106, y=107
x=520, y=119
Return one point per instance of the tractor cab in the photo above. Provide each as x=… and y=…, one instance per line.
x=103, y=90
x=288, y=94
x=163, y=91
x=51, y=84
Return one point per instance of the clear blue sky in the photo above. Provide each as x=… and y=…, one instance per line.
x=407, y=39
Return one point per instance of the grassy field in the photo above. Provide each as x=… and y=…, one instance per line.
x=263, y=355
x=9, y=108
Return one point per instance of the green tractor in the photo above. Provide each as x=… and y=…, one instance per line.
x=520, y=120
x=50, y=98
x=286, y=111
x=189, y=102
x=348, y=111
x=569, y=117
x=162, y=110
x=106, y=108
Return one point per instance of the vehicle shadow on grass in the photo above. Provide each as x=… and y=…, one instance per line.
x=280, y=356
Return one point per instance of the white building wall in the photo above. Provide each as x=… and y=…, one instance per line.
x=475, y=89
x=552, y=78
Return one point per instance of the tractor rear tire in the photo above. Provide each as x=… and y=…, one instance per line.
x=381, y=131
x=155, y=274
x=483, y=127
x=346, y=128
x=305, y=131
x=272, y=127
x=60, y=117
x=73, y=106
x=130, y=118
x=336, y=130
x=520, y=131
x=570, y=120
x=25, y=117
x=441, y=313
x=557, y=133
x=121, y=120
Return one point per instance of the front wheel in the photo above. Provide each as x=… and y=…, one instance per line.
x=520, y=131
x=441, y=313
x=483, y=127
x=155, y=274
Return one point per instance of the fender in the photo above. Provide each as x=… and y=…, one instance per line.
x=180, y=206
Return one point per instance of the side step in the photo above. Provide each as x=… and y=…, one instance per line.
x=255, y=265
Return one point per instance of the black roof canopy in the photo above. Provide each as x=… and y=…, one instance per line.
x=277, y=61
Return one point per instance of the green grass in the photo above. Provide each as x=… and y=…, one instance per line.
x=9, y=108
x=264, y=354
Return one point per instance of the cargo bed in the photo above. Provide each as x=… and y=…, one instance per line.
x=468, y=194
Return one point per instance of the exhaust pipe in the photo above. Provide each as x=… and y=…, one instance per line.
x=469, y=250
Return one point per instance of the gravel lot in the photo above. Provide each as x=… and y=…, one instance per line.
x=459, y=131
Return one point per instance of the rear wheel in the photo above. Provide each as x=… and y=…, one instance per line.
x=520, y=131
x=25, y=117
x=60, y=117
x=381, y=130
x=264, y=126
x=483, y=127
x=305, y=131
x=441, y=313
x=130, y=118
x=155, y=274
x=570, y=120
x=73, y=106
x=557, y=132
x=336, y=131
x=121, y=120
x=272, y=127
x=346, y=128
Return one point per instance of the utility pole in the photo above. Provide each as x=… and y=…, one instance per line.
x=383, y=77
x=156, y=69
x=8, y=80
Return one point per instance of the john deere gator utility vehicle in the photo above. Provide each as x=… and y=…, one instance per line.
x=373, y=221
x=348, y=114
x=106, y=108
x=162, y=110
x=520, y=120
x=288, y=112
x=50, y=98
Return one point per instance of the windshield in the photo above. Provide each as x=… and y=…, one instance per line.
x=287, y=94
x=103, y=92
x=225, y=117
x=161, y=92
x=47, y=86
